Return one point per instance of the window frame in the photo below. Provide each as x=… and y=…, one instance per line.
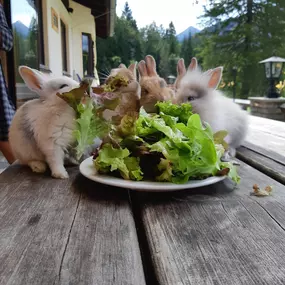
x=41, y=53
x=64, y=46
x=90, y=63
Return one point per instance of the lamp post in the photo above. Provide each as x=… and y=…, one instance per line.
x=171, y=79
x=234, y=77
x=273, y=68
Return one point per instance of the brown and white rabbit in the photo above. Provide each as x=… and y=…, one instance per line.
x=41, y=130
x=153, y=87
x=130, y=94
x=220, y=112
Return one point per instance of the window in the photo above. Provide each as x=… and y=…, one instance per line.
x=27, y=26
x=40, y=33
x=87, y=55
x=63, y=45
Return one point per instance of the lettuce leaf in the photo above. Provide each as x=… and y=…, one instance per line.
x=89, y=126
x=185, y=146
x=112, y=159
x=182, y=112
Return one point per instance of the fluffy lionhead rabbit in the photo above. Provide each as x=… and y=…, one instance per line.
x=41, y=130
x=153, y=87
x=181, y=70
x=213, y=107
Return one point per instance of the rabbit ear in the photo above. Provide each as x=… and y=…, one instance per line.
x=32, y=78
x=133, y=69
x=215, y=77
x=181, y=70
x=122, y=66
x=142, y=68
x=193, y=64
x=150, y=65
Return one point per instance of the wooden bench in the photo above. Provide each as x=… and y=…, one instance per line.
x=76, y=231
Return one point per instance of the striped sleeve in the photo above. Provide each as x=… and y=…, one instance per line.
x=6, y=35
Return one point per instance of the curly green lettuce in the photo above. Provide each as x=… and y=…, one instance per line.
x=175, y=141
x=89, y=126
x=112, y=159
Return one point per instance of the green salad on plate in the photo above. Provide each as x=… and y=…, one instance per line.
x=172, y=145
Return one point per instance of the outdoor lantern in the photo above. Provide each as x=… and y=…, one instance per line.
x=273, y=69
x=171, y=79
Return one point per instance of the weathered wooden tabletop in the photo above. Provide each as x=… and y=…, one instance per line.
x=76, y=231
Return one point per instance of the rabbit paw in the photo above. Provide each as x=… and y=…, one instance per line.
x=61, y=174
x=38, y=166
x=227, y=157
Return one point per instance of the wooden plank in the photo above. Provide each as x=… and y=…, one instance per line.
x=57, y=232
x=269, y=153
x=268, y=126
x=217, y=234
x=264, y=164
x=105, y=238
x=267, y=137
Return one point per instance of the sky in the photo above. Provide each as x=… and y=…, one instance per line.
x=22, y=11
x=181, y=12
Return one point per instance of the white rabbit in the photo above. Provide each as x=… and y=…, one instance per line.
x=213, y=107
x=41, y=130
x=181, y=70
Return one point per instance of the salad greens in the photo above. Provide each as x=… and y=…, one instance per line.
x=172, y=145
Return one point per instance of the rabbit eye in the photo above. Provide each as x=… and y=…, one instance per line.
x=63, y=85
x=191, y=98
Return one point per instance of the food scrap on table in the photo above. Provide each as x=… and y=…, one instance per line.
x=261, y=193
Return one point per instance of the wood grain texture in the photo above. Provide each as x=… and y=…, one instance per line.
x=273, y=127
x=263, y=163
x=104, y=236
x=217, y=234
x=59, y=232
x=267, y=136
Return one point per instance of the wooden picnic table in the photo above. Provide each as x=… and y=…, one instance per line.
x=76, y=231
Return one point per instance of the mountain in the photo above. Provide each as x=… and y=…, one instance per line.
x=185, y=33
x=223, y=27
x=21, y=29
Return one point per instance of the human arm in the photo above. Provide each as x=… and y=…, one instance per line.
x=6, y=34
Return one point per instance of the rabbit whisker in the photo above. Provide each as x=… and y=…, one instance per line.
x=107, y=71
x=104, y=74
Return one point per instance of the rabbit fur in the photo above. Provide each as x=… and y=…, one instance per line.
x=220, y=112
x=41, y=130
x=153, y=87
x=130, y=95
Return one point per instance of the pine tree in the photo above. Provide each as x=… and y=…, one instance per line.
x=241, y=33
x=187, y=49
x=171, y=39
x=128, y=15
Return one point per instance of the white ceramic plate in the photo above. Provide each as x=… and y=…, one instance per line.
x=87, y=169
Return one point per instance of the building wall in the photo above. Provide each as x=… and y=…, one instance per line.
x=78, y=22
